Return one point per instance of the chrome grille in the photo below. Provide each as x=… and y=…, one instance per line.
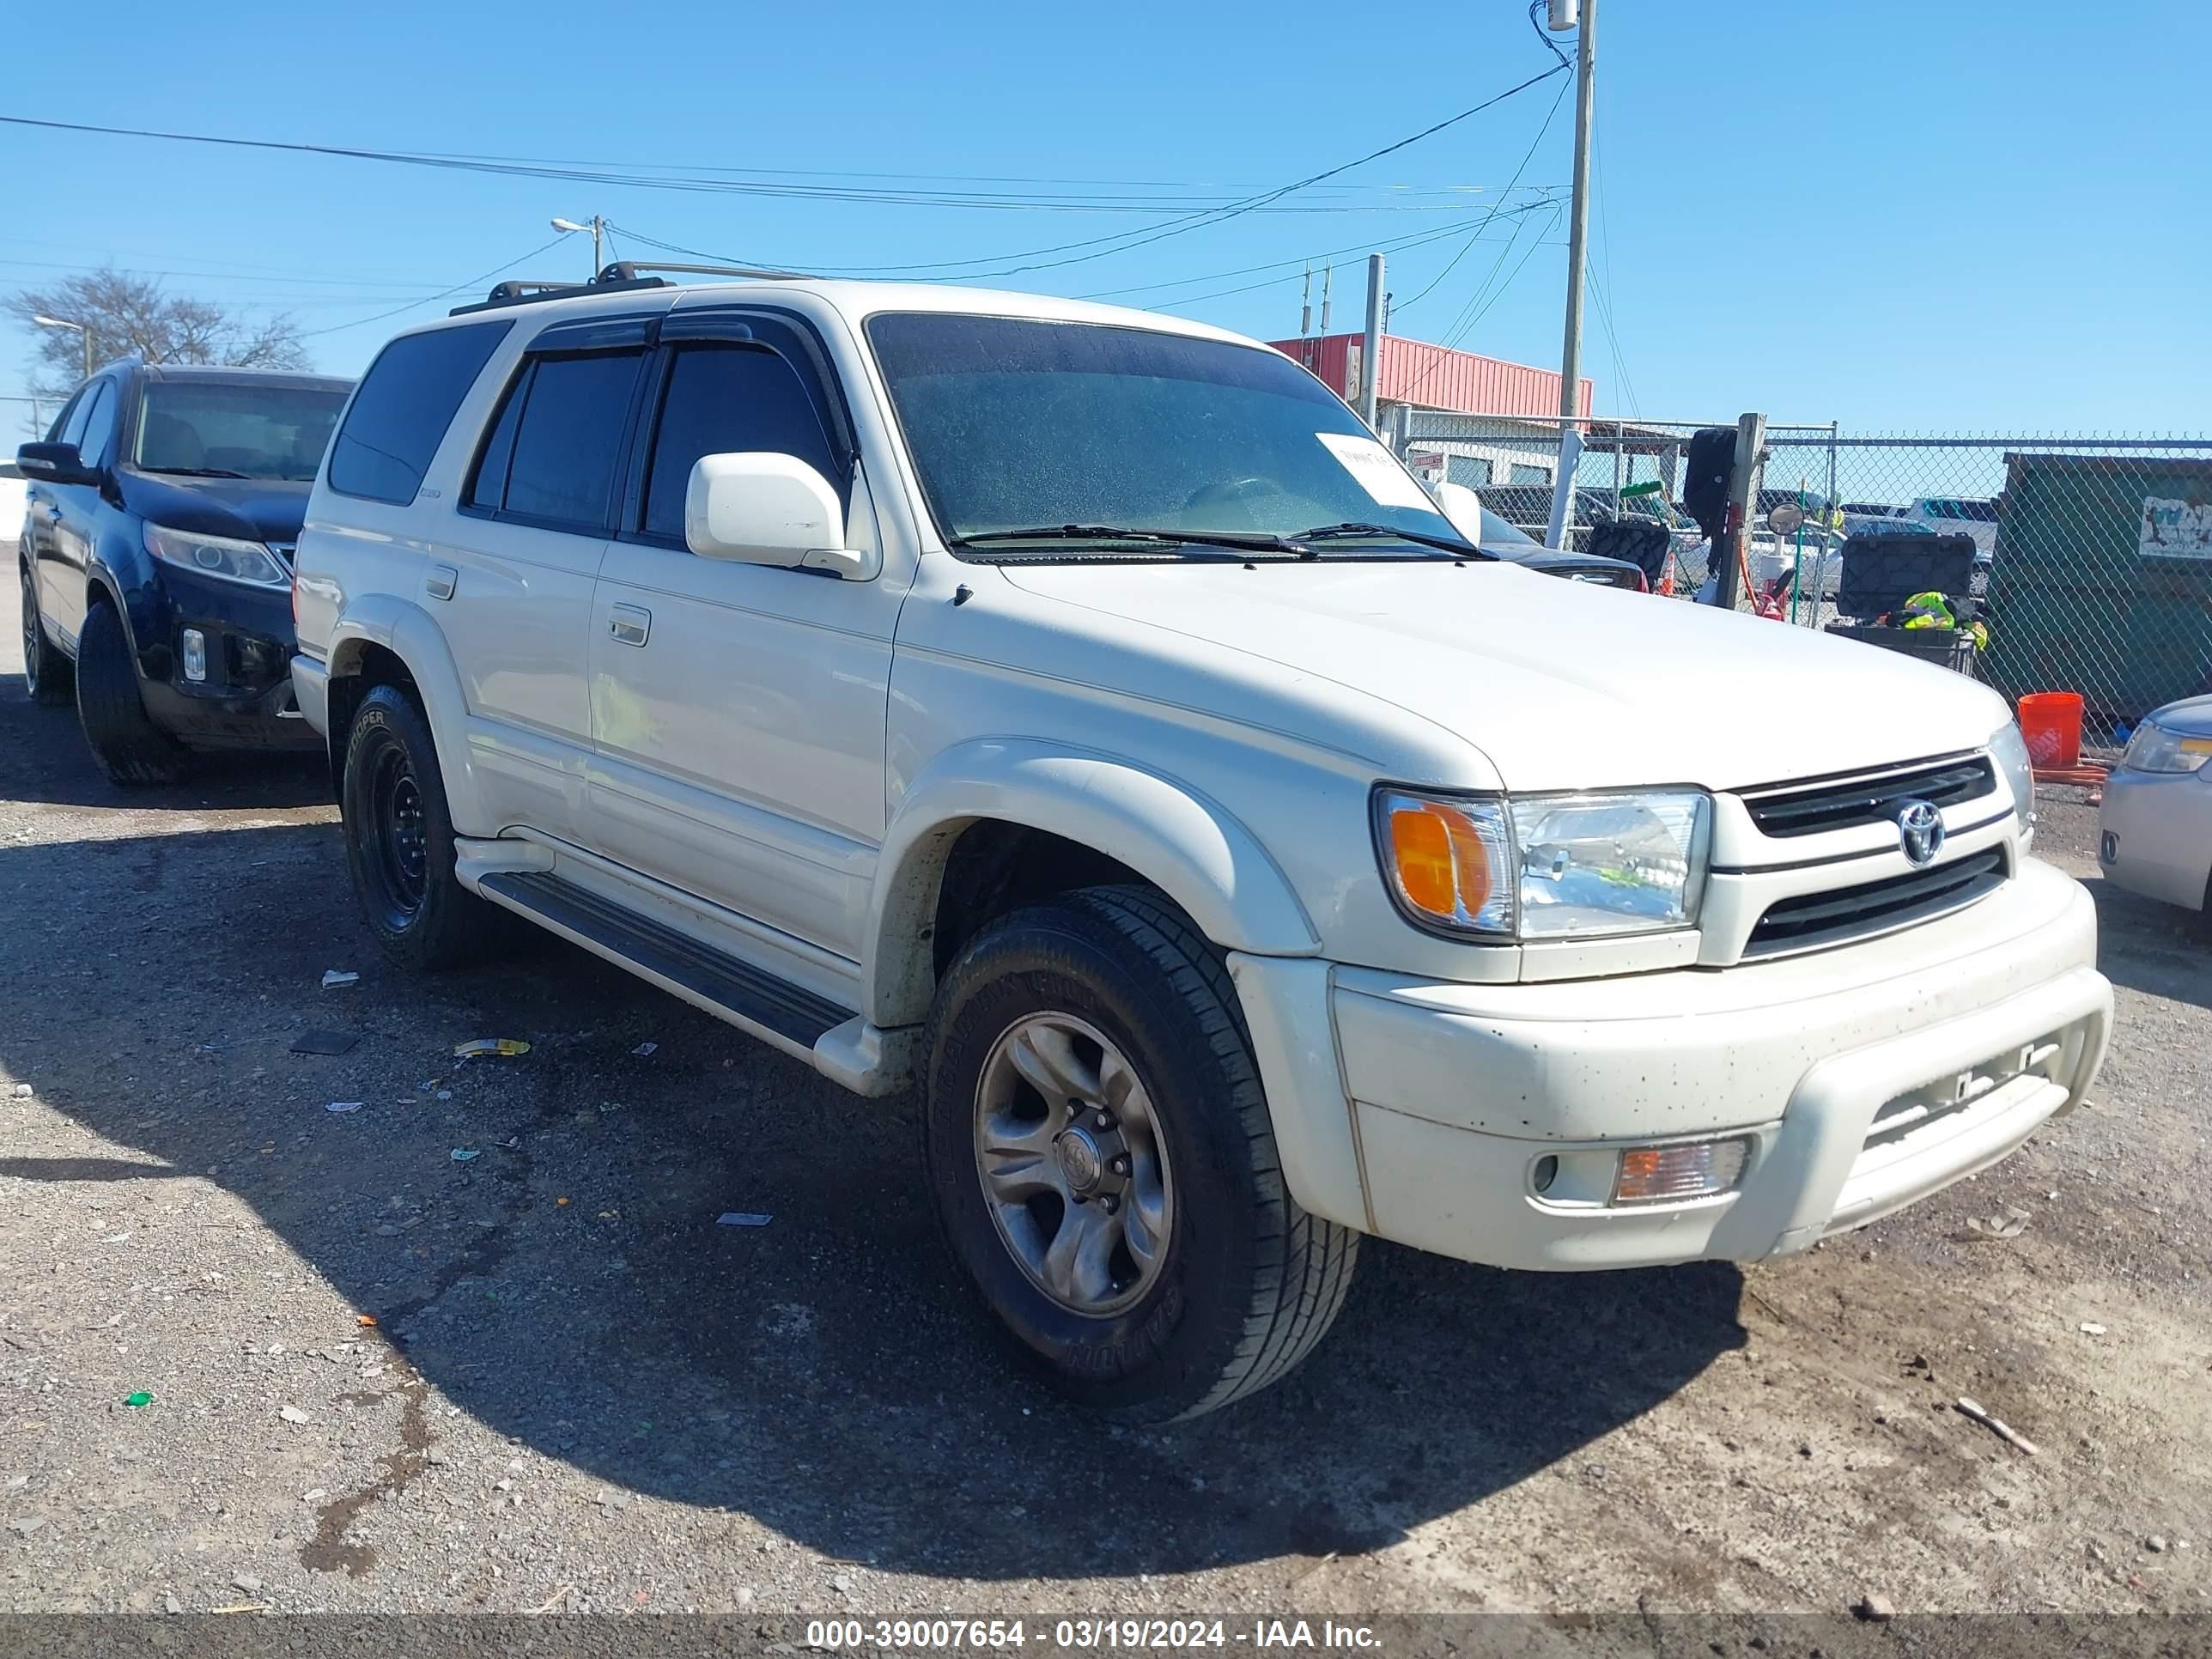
x=1846, y=803
x=1812, y=919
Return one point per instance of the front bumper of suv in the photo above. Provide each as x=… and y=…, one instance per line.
x=245, y=700
x=1861, y=1078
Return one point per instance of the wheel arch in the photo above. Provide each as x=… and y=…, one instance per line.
x=381, y=640
x=1106, y=818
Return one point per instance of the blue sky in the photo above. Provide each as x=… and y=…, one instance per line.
x=1983, y=215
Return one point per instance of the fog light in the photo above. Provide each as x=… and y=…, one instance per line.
x=194, y=644
x=1657, y=1175
x=1544, y=1172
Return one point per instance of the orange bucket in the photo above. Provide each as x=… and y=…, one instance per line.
x=2051, y=723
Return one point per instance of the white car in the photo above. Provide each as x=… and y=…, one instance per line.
x=1077, y=714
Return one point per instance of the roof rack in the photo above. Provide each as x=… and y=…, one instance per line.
x=621, y=276
x=520, y=293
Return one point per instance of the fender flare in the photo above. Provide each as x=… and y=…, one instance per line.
x=1193, y=849
x=407, y=631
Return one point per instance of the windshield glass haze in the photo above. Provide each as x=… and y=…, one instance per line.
x=1015, y=424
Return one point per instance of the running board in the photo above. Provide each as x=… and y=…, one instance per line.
x=714, y=980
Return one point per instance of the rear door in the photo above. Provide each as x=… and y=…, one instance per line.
x=525, y=545
x=736, y=709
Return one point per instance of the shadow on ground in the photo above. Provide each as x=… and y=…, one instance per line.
x=44, y=761
x=2160, y=950
x=821, y=1373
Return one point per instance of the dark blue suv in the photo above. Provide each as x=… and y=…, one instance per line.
x=158, y=521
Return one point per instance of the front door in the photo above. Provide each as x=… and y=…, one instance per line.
x=738, y=710
x=72, y=513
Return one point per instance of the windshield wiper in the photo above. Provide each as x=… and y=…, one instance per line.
x=1258, y=542
x=1462, y=547
x=196, y=471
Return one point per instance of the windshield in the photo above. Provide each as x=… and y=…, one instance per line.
x=1496, y=533
x=1015, y=425
x=234, y=429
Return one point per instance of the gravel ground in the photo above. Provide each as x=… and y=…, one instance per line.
x=580, y=1392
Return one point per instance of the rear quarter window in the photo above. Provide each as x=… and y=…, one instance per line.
x=406, y=401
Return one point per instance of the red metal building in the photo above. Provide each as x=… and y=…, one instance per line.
x=1434, y=377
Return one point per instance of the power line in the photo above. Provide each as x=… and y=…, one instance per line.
x=1102, y=245
x=1474, y=311
x=731, y=181
x=1549, y=116
x=1124, y=241
x=1298, y=270
x=1602, y=292
x=1417, y=240
x=457, y=287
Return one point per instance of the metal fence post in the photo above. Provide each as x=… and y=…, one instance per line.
x=1563, y=483
x=1750, y=439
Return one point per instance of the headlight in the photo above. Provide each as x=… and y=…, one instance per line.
x=2010, y=751
x=217, y=555
x=1549, y=867
x=2154, y=749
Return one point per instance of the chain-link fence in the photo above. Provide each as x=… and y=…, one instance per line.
x=2078, y=563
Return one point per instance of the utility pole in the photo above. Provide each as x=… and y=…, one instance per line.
x=1371, y=349
x=1570, y=370
x=598, y=229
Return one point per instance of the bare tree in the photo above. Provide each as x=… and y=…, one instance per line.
x=124, y=313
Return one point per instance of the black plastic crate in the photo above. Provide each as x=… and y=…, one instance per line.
x=1881, y=572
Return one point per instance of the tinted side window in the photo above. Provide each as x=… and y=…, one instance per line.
x=569, y=438
x=488, y=488
x=726, y=399
x=69, y=427
x=406, y=401
x=99, y=425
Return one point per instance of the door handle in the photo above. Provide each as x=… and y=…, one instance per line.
x=441, y=582
x=628, y=624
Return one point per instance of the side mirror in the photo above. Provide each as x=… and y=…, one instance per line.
x=1462, y=510
x=55, y=464
x=757, y=507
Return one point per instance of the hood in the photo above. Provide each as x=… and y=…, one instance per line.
x=2190, y=718
x=247, y=509
x=1560, y=684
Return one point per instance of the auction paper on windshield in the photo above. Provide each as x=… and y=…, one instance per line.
x=1377, y=473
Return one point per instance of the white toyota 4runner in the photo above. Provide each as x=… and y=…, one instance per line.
x=1077, y=712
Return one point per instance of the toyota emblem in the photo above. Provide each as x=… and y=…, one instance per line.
x=1921, y=828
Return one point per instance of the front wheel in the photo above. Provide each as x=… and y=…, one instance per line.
x=124, y=741
x=1103, y=1165
x=399, y=840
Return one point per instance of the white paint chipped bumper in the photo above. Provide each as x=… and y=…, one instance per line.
x=1864, y=1077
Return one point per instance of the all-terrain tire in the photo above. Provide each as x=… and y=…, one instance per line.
x=1249, y=1282
x=399, y=841
x=126, y=743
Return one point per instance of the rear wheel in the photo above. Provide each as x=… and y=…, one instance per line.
x=399, y=840
x=46, y=669
x=129, y=747
x=1103, y=1166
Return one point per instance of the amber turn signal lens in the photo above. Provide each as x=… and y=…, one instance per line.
x=1654, y=1175
x=1422, y=848
x=1443, y=867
